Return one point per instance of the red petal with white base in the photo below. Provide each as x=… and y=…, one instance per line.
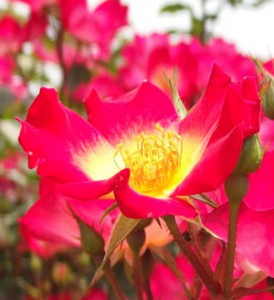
x=54, y=137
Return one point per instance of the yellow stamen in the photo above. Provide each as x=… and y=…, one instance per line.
x=154, y=160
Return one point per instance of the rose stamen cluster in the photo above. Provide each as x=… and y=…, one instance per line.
x=154, y=160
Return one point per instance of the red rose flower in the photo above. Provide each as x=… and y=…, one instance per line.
x=137, y=147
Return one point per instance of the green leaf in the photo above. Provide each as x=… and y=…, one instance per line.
x=121, y=230
x=175, y=7
x=212, y=17
x=258, y=3
x=205, y=199
x=233, y=2
x=174, y=31
x=197, y=26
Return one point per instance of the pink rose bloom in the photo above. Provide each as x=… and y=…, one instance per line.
x=11, y=37
x=72, y=56
x=36, y=5
x=267, y=132
x=225, y=55
x=154, y=57
x=105, y=83
x=95, y=293
x=269, y=66
x=35, y=27
x=10, y=170
x=50, y=225
x=254, y=238
x=93, y=26
x=137, y=55
x=7, y=67
x=165, y=284
x=137, y=147
x=10, y=81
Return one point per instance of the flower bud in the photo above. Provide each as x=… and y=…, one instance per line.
x=62, y=274
x=36, y=263
x=268, y=100
x=251, y=156
x=83, y=259
x=267, y=90
x=236, y=187
x=5, y=206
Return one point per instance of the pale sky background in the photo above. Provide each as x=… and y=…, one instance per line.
x=252, y=30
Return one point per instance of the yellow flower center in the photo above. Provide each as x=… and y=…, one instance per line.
x=153, y=162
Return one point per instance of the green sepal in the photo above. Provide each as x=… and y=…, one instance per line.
x=268, y=100
x=122, y=227
x=92, y=242
x=267, y=90
x=136, y=239
x=176, y=99
x=251, y=156
x=107, y=211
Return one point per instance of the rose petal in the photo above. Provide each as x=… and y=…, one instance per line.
x=138, y=206
x=51, y=218
x=58, y=140
x=131, y=114
x=260, y=191
x=217, y=162
x=254, y=236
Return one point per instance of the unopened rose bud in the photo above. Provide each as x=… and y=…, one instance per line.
x=35, y=262
x=236, y=187
x=5, y=206
x=62, y=274
x=251, y=156
x=84, y=259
